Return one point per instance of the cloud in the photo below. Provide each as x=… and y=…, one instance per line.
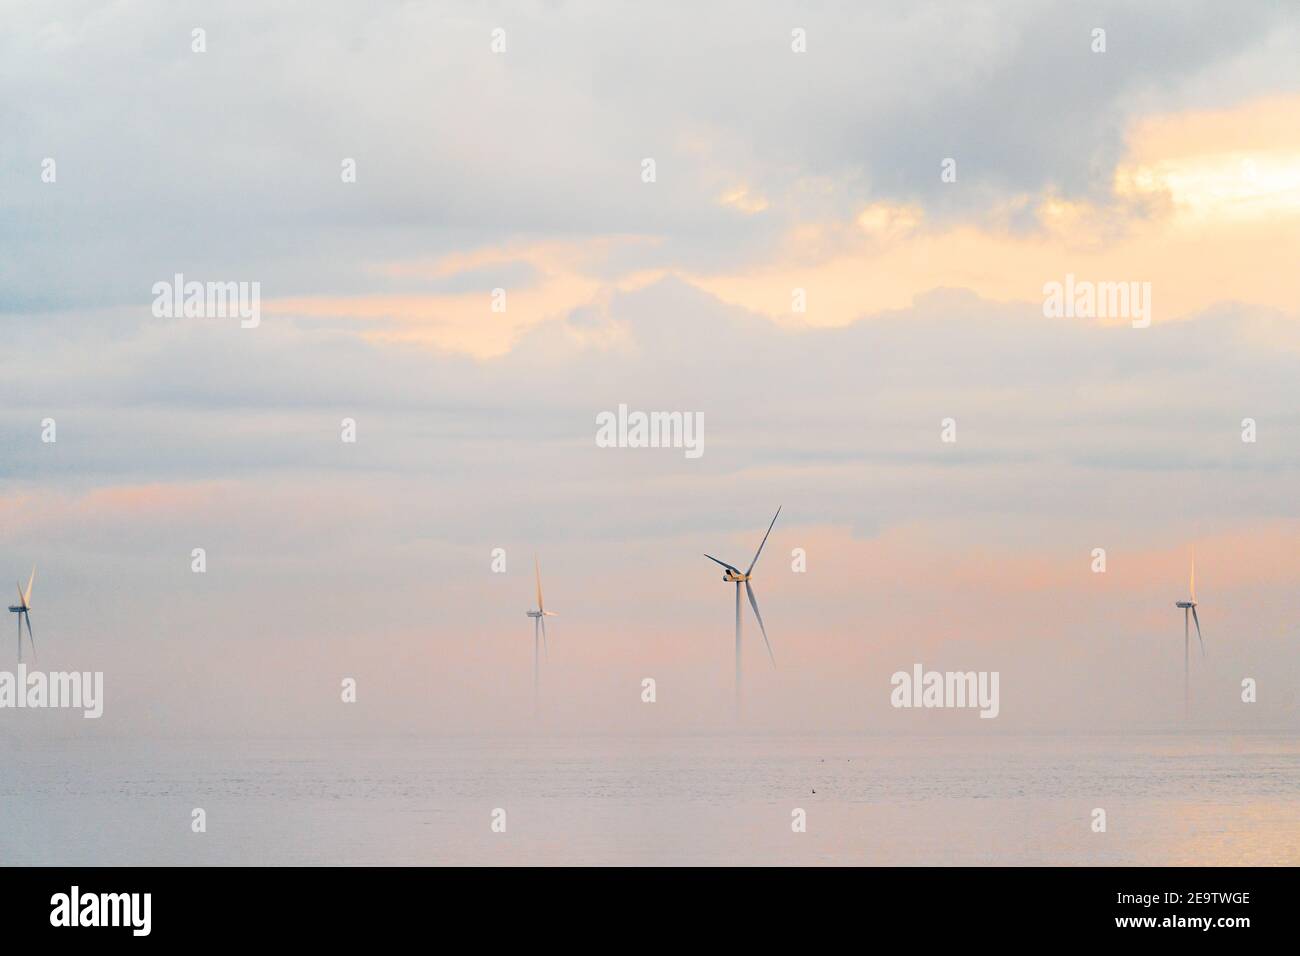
x=457, y=148
x=1160, y=161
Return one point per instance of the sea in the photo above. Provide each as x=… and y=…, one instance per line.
x=1178, y=800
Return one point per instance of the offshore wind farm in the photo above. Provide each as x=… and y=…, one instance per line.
x=293, y=410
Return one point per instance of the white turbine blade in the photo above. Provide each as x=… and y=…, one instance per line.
x=550, y=613
x=30, y=636
x=21, y=602
x=1193, y=580
x=1194, y=618
x=27, y=595
x=723, y=563
x=764, y=541
x=545, y=644
x=538, y=568
x=754, y=604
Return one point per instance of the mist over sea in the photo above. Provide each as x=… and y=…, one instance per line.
x=1196, y=799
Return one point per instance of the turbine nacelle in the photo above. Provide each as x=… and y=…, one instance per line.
x=1185, y=604
x=734, y=577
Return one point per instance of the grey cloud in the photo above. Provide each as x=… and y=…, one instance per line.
x=227, y=163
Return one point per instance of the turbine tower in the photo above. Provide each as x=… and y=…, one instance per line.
x=539, y=624
x=1189, y=615
x=23, y=610
x=734, y=574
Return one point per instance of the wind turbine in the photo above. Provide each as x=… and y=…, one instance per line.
x=23, y=609
x=734, y=574
x=1189, y=611
x=539, y=624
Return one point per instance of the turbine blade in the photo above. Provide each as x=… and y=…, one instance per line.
x=723, y=563
x=1193, y=579
x=1194, y=618
x=30, y=636
x=545, y=644
x=764, y=541
x=27, y=595
x=753, y=602
x=538, y=568
x=21, y=603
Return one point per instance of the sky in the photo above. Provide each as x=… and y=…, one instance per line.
x=1171, y=158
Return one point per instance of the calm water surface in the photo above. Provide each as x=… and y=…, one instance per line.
x=1230, y=800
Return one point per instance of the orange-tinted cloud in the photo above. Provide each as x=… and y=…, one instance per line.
x=1205, y=207
x=566, y=278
